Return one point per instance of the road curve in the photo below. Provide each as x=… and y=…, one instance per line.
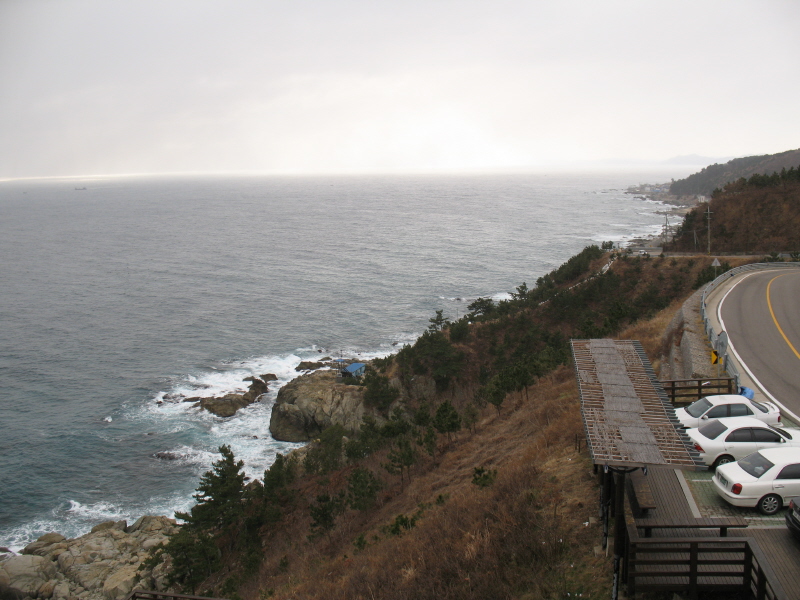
x=761, y=314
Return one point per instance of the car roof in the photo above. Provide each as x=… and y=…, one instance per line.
x=726, y=399
x=781, y=455
x=743, y=421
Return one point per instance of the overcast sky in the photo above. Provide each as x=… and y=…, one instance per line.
x=140, y=86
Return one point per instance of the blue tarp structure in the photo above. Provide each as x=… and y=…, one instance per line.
x=746, y=392
x=354, y=370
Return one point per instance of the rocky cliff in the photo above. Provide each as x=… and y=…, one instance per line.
x=101, y=565
x=313, y=402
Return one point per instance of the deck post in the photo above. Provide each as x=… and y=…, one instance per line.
x=619, y=528
x=761, y=584
x=747, y=574
x=693, y=569
x=605, y=500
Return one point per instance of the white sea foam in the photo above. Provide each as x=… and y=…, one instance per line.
x=73, y=519
x=247, y=432
x=150, y=305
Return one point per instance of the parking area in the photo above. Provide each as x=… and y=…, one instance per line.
x=711, y=505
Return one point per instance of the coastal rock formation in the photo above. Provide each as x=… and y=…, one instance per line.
x=257, y=387
x=101, y=565
x=227, y=405
x=311, y=403
x=309, y=365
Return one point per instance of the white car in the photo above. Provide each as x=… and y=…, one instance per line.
x=727, y=405
x=720, y=441
x=766, y=479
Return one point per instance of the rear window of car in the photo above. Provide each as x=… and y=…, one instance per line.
x=712, y=429
x=767, y=435
x=782, y=432
x=755, y=464
x=698, y=408
x=759, y=406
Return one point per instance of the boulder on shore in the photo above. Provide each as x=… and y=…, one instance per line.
x=101, y=565
x=257, y=387
x=309, y=365
x=225, y=406
x=313, y=402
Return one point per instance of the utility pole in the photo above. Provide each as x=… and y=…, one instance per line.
x=708, y=217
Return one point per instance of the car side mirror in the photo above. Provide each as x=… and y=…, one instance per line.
x=704, y=417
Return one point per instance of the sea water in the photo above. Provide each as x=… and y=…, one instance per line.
x=119, y=296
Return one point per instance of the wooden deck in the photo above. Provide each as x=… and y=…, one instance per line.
x=783, y=554
x=668, y=497
x=670, y=547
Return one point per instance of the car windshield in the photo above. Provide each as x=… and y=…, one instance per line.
x=759, y=406
x=712, y=429
x=698, y=408
x=755, y=464
x=783, y=432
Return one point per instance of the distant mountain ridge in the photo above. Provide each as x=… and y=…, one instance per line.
x=716, y=175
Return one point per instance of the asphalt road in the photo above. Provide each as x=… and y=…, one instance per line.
x=761, y=313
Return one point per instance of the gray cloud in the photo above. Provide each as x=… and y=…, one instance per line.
x=142, y=86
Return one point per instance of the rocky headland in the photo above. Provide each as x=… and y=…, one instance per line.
x=104, y=564
x=313, y=402
x=109, y=562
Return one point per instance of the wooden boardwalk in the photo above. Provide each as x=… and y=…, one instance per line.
x=707, y=553
x=783, y=553
x=668, y=496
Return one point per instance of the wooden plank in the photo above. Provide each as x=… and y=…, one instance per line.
x=668, y=496
x=782, y=553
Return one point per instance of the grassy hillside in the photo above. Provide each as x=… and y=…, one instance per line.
x=717, y=176
x=756, y=215
x=473, y=487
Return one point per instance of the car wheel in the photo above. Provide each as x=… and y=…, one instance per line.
x=723, y=460
x=770, y=504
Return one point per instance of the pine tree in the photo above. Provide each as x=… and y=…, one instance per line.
x=362, y=489
x=219, y=495
x=447, y=420
x=194, y=551
x=401, y=458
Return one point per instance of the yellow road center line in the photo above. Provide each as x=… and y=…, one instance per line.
x=772, y=312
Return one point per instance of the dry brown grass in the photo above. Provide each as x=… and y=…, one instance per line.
x=526, y=536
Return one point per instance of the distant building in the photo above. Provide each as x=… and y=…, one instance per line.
x=354, y=370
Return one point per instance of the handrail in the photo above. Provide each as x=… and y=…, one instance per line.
x=747, y=561
x=713, y=337
x=697, y=388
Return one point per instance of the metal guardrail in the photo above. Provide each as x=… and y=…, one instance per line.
x=713, y=336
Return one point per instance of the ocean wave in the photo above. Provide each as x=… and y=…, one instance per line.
x=73, y=519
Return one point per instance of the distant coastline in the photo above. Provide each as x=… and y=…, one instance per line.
x=675, y=208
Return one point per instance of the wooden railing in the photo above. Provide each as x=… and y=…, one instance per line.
x=699, y=564
x=686, y=391
x=148, y=595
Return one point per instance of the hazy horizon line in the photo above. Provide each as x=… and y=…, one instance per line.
x=542, y=168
